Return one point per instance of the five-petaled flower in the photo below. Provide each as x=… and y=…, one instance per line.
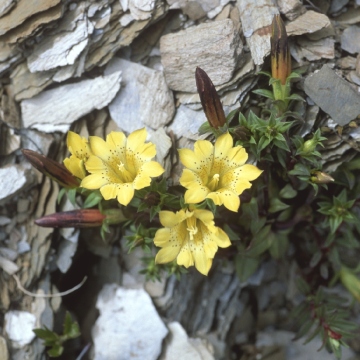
x=191, y=237
x=80, y=151
x=216, y=172
x=121, y=165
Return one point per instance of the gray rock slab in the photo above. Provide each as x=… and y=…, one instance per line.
x=19, y=326
x=256, y=18
x=215, y=47
x=56, y=109
x=128, y=326
x=350, y=39
x=144, y=99
x=13, y=179
x=333, y=95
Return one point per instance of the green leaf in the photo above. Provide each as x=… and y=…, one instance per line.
x=263, y=92
x=260, y=242
x=93, y=199
x=277, y=205
x=245, y=266
x=71, y=194
x=205, y=128
x=46, y=334
x=279, y=246
x=315, y=259
x=287, y=192
x=56, y=351
x=295, y=97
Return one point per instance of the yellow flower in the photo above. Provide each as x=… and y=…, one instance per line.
x=191, y=237
x=216, y=172
x=121, y=165
x=80, y=151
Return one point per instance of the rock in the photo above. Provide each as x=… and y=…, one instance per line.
x=128, y=326
x=313, y=50
x=215, y=47
x=291, y=8
x=333, y=95
x=350, y=39
x=13, y=179
x=256, y=18
x=19, y=327
x=65, y=44
x=144, y=99
x=308, y=23
x=56, y=109
x=23, y=10
x=3, y=349
x=187, y=122
x=180, y=343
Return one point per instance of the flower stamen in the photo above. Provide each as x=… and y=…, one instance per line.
x=213, y=183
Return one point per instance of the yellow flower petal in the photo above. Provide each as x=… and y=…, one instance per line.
x=75, y=166
x=189, y=159
x=109, y=191
x=222, y=239
x=223, y=145
x=116, y=140
x=170, y=219
x=125, y=194
x=162, y=236
x=189, y=178
x=196, y=194
x=93, y=182
x=230, y=200
x=99, y=148
x=136, y=139
x=167, y=254
x=237, y=156
x=185, y=257
x=203, y=149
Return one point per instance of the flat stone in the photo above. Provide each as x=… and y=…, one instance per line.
x=333, y=94
x=19, y=327
x=56, y=109
x=215, y=47
x=23, y=10
x=66, y=43
x=13, y=179
x=350, y=39
x=117, y=334
x=256, y=18
x=180, y=343
x=144, y=99
x=308, y=23
x=3, y=349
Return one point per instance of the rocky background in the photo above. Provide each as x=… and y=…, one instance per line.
x=96, y=66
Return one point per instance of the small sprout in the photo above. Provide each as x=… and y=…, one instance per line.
x=55, y=341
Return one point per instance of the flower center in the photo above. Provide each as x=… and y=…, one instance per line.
x=125, y=174
x=191, y=227
x=213, y=183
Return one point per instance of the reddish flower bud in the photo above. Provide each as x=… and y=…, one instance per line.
x=80, y=218
x=210, y=99
x=51, y=168
x=280, y=52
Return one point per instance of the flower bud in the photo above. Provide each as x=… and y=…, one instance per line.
x=210, y=99
x=81, y=218
x=319, y=177
x=280, y=52
x=51, y=168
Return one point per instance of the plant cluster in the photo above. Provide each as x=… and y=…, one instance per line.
x=289, y=206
